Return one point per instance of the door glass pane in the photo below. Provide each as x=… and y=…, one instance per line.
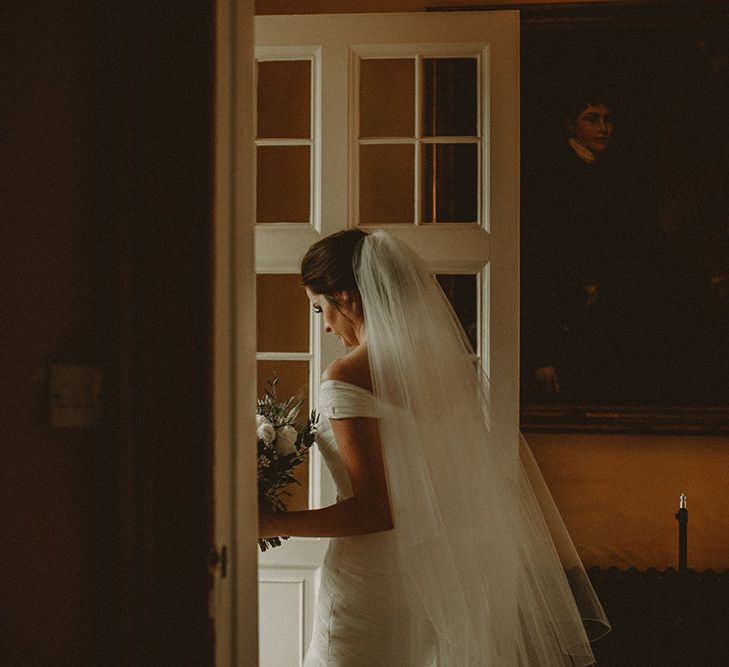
x=387, y=98
x=284, y=99
x=293, y=381
x=282, y=184
x=450, y=97
x=282, y=314
x=386, y=183
x=462, y=292
x=450, y=183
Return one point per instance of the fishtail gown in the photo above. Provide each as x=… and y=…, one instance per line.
x=361, y=614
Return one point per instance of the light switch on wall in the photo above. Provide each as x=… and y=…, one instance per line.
x=75, y=395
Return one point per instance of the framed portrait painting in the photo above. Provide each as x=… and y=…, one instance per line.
x=625, y=216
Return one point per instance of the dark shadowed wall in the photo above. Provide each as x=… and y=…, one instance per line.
x=106, y=237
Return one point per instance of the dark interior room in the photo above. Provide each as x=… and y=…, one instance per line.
x=108, y=224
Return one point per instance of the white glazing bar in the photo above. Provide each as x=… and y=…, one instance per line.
x=418, y=190
x=354, y=134
x=388, y=140
x=485, y=120
x=284, y=142
x=316, y=133
x=283, y=356
x=451, y=140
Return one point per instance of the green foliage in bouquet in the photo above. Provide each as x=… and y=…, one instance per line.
x=282, y=446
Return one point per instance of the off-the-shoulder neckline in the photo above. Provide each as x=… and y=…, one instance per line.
x=348, y=384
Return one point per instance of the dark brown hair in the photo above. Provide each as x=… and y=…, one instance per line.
x=578, y=103
x=327, y=266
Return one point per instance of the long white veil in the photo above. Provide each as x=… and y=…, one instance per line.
x=491, y=575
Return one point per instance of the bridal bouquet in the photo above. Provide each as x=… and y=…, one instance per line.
x=282, y=445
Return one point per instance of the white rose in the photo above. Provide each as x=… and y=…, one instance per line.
x=266, y=432
x=285, y=440
x=260, y=419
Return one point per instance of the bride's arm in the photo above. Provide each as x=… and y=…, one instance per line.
x=367, y=511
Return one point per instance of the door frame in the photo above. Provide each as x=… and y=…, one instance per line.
x=234, y=598
x=234, y=595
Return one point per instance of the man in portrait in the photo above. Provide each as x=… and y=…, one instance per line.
x=587, y=287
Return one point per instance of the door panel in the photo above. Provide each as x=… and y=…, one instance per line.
x=446, y=151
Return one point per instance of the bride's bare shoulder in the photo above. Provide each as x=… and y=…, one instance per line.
x=353, y=368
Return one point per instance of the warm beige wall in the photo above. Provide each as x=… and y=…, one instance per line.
x=618, y=494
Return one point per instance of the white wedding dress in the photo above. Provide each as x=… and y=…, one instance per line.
x=361, y=613
x=362, y=616
x=479, y=569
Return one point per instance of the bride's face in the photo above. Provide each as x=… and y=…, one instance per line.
x=340, y=319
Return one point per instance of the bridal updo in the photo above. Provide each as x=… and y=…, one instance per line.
x=327, y=266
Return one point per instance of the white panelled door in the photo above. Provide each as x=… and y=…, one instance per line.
x=413, y=126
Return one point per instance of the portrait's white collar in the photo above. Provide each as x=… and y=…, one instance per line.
x=582, y=152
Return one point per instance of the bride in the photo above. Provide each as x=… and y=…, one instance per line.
x=447, y=547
